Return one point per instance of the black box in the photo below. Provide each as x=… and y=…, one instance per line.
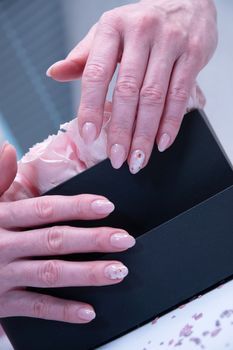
x=180, y=208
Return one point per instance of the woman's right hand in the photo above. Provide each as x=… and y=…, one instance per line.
x=19, y=243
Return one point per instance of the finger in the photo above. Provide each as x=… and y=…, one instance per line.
x=48, y=209
x=72, y=66
x=151, y=105
x=182, y=80
x=8, y=166
x=197, y=98
x=97, y=75
x=24, y=303
x=125, y=100
x=58, y=273
x=60, y=240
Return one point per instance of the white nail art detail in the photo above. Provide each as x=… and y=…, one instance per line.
x=136, y=161
x=116, y=271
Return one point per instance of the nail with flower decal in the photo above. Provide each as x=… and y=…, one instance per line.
x=136, y=161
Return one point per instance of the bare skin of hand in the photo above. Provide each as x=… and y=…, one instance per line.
x=19, y=242
x=161, y=45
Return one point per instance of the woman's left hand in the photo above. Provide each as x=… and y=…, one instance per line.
x=161, y=45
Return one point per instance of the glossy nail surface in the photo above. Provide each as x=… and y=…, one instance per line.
x=122, y=240
x=102, y=206
x=164, y=142
x=86, y=314
x=117, y=155
x=89, y=133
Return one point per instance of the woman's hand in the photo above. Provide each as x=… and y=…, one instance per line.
x=18, y=244
x=162, y=45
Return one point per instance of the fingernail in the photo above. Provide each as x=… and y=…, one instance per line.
x=136, y=161
x=3, y=146
x=89, y=132
x=116, y=271
x=49, y=72
x=122, y=240
x=86, y=314
x=102, y=206
x=164, y=142
x=117, y=155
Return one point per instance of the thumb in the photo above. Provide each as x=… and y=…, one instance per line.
x=8, y=166
x=72, y=66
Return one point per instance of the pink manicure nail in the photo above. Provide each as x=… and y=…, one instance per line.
x=117, y=156
x=86, y=314
x=49, y=72
x=164, y=142
x=122, y=240
x=116, y=271
x=89, y=132
x=102, y=206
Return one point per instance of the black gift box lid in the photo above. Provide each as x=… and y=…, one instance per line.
x=180, y=210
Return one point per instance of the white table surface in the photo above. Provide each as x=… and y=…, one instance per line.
x=205, y=323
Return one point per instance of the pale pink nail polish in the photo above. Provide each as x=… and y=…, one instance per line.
x=116, y=271
x=122, y=240
x=136, y=161
x=102, y=206
x=164, y=142
x=86, y=314
x=117, y=155
x=89, y=132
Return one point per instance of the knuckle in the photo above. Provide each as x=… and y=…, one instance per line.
x=178, y=94
x=143, y=22
x=126, y=88
x=92, y=276
x=95, y=72
x=195, y=50
x=79, y=206
x=55, y=239
x=175, y=33
x=5, y=241
x=172, y=123
x=41, y=308
x=43, y=208
x=49, y=273
x=145, y=138
x=111, y=19
x=98, y=241
x=4, y=213
x=119, y=132
x=152, y=95
x=89, y=108
x=67, y=313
